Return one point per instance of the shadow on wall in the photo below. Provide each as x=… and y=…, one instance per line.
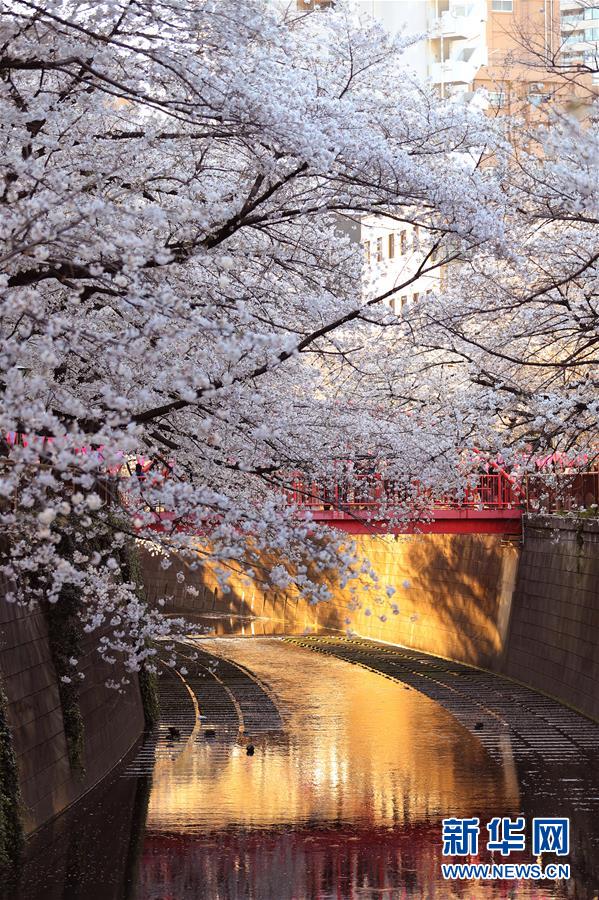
x=247, y=608
x=460, y=593
x=452, y=596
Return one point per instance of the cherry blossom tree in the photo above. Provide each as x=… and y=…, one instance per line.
x=522, y=328
x=178, y=289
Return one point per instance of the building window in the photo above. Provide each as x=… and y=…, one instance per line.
x=416, y=239
x=403, y=242
x=379, y=249
x=537, y=99
x=391, y=246
x=367, y=251
x=502, y=5
x=415, y=296
x=497, y=99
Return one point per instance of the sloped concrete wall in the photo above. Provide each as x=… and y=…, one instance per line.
x=554, y=631
x=452, y=596
x=453, y=593
x=112, y=721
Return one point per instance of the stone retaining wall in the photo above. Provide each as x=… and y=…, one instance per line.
x=452, y=596
x=554, y=631
x=112, y=722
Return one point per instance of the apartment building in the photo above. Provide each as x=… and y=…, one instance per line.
x=498, y=45
x=580, y=34
x=501, y=46
x=394, y=251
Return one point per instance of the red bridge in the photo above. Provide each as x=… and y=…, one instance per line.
x=364, y=501
x=492, y=504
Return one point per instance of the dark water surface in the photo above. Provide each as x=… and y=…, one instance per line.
x=342, y=798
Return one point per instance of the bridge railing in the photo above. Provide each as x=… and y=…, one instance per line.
x=373, y=492
x=493, y=490
x=561, y=491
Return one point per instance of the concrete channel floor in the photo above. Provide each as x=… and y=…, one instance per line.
x=541, y=730
x=549, y=750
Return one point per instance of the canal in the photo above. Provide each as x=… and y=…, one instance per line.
x=292, y=769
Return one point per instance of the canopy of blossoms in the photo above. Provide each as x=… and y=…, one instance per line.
x=177, y=287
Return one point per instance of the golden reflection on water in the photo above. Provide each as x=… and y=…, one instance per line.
x=355, y=748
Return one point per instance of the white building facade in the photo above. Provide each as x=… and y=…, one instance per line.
x=580, y=34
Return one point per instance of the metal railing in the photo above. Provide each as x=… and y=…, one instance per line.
x=561, y=492
x=370, y=492
x=373, y=492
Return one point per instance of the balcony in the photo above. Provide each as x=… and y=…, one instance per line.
x=461, y=20
x=454, y=71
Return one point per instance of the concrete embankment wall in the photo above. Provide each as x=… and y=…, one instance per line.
x=112, y=722
x=452, y=596
x=531, y=614
x=553, y=643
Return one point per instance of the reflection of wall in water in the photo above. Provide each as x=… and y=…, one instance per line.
x=286, y=866
x=91, y=852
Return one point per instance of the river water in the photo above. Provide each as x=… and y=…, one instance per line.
x=343, y=796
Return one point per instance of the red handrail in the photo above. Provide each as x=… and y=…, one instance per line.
x=372, y=491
